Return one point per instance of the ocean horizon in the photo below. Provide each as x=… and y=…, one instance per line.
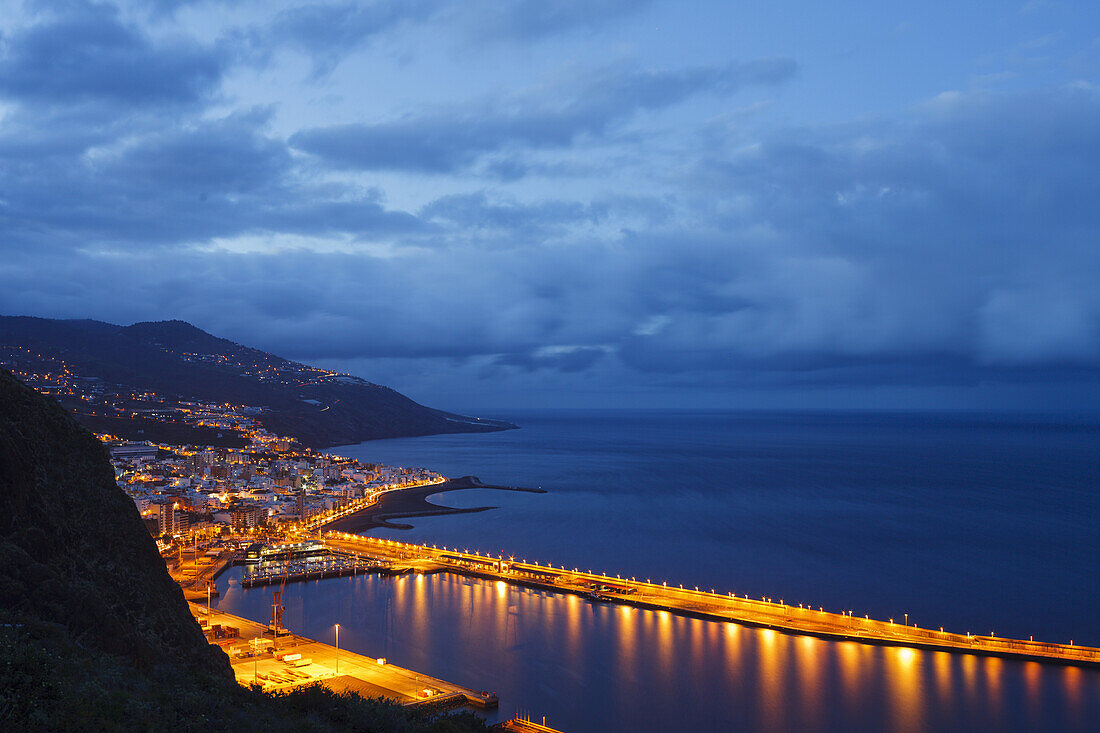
x=882, y=513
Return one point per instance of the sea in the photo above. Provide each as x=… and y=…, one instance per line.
x=974, y=522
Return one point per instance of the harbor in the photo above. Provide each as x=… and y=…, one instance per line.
x=278, y=660
x=318, y=568
x=342, y=554
x=282, y=563
x=586, y=665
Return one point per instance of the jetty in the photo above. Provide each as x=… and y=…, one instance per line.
x=711, y=605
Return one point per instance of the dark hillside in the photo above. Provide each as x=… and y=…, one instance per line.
x=94, y=635
x=177, y=361
x=74, y=552
x=182, y=336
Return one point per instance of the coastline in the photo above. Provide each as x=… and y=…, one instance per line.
x=329, y=443
x=409, y=503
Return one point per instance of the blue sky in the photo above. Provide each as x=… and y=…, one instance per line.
x=567, y=202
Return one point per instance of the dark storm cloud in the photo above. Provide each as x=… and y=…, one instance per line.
x=445, y=142
x=107, y=144
x=88, y=54
x=909, y=301
x=893, y=280
x=953, y=248
x=179, y=186
x=955, y=245
x=966, y=234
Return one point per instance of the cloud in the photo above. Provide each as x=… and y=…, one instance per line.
x=963, y=236
x=955, y=247
x=329, y=31
x=451, y=140
x=180, y=186
x=954, y=243
x=474, y=212
x=565, y=359
x=90, y=55
x=525, y=20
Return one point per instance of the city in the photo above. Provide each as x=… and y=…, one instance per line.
x=268, y=502
x=454, y=366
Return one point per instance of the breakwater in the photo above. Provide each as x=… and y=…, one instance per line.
x=708, y=604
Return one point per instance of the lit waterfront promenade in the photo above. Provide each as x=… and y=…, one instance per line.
x=371, y=499
x=704, y=604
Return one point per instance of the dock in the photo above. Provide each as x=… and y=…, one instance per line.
x=332, y=564
x=196, y=578
x=709, y=605
x=329, y=565
x=287, y=661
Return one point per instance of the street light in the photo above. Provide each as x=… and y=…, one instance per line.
x=337, y=648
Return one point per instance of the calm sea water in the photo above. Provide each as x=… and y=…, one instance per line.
x=971, y=522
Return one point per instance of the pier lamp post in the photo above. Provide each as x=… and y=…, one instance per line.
x=337, y=648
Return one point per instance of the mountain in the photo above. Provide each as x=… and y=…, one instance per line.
x=94, y=635
x=122, y=379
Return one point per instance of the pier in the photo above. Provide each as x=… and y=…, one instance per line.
x=328, y=565
x=288, y=660
x=705, y=604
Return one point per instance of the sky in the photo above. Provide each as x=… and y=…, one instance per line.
x=575, y=203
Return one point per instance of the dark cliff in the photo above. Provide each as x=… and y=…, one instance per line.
x=94, y=635
x=73, y=550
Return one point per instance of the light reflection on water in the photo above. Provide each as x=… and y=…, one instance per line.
x=607, y=667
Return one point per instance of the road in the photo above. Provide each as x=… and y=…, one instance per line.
x=339, y=669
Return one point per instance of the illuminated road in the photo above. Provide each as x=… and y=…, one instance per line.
x=703, y=604
x=371, y=499
x=336, y=668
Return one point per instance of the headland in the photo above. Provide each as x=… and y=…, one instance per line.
x=413, y=502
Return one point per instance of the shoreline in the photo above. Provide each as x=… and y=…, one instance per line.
x=413, y=502
x=474, y=427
